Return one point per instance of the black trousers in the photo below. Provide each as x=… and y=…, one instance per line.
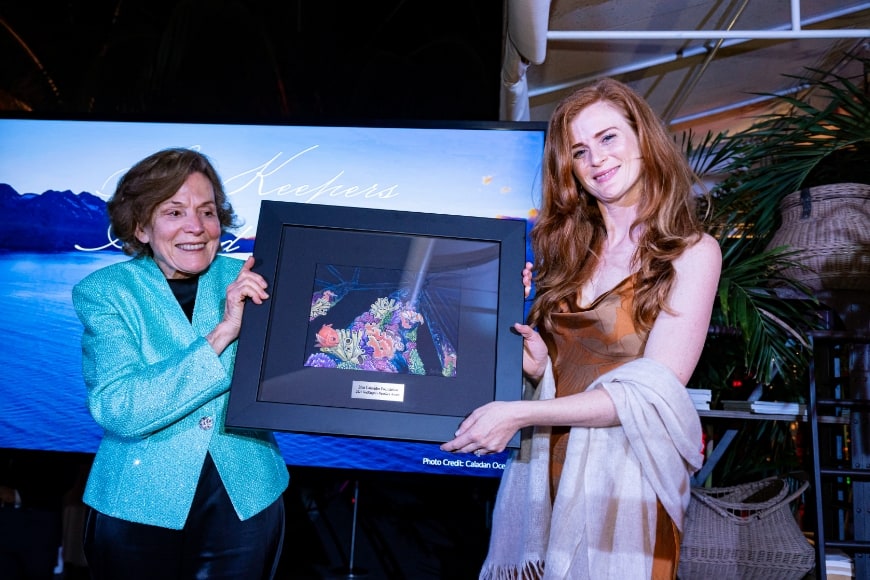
x=214, y=543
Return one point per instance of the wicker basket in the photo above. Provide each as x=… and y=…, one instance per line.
x=745, y=531
x=829, y=227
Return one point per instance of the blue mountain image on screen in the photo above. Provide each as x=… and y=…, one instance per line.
x=54, y=221
x=43, y=238
x=62, y=221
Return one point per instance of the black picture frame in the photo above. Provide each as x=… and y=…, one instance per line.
x=380, y=323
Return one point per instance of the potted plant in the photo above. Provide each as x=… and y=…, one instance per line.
x=763, y=314
x=779, y=154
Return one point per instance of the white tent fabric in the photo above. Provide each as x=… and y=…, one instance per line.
x=525, y=44
x=682, y=57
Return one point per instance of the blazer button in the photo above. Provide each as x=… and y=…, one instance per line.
x=206, y=423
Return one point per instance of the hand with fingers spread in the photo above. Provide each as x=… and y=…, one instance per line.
x=248, y=285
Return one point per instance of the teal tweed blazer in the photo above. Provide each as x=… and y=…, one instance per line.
x=160, y=394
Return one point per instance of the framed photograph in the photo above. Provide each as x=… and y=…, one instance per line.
x=380, y=323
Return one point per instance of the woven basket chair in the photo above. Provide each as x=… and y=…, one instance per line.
x=829, y=228
x=744, y=532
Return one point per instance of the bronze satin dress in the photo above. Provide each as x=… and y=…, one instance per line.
x=584, y=344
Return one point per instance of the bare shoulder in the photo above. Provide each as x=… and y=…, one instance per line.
x=704, y=255
x=698, y=271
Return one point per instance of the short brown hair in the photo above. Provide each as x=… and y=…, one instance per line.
x=152, y=181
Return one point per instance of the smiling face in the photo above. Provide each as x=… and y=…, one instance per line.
x=184, y=231
x=606, y=153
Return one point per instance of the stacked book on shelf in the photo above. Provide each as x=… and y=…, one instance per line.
x=737, y=406
x=701, y=398
x=766, y=407
x=778, y=408
x=838, y=565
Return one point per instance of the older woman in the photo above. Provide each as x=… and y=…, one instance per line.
x=172, y=493
x=625, y=282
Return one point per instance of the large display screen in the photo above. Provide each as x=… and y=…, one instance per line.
x=56, y=175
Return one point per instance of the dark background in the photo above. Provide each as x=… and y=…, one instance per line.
x=302, y=61
x=252, y=60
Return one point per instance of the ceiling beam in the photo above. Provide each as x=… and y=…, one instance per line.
x=785, y=32
x=688, y=52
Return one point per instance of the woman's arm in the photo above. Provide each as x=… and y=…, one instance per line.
x=676, y=340
x=140, y=374
x=128, y=394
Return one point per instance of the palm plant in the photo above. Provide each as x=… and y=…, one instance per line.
x=778, y=154
x=762, y=316
x=755, y=332
x=758, y=324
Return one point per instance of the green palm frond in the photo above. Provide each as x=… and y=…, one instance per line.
x=773, y=329
x=708, y=155
x=775, y=156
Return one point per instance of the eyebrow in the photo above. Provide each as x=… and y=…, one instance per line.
x=172, y=203
x=596, y=136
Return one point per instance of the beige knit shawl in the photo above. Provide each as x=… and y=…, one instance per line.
x=603, y=521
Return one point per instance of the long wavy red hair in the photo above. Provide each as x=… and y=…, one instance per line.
x=568, y=234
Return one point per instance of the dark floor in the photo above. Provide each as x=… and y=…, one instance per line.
x=406, y=526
